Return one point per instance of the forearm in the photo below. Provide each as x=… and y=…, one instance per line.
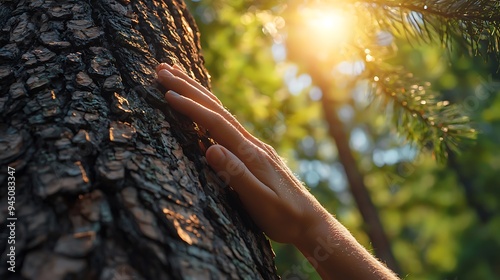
x=335, y=254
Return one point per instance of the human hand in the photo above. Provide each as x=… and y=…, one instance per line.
x=276, y=200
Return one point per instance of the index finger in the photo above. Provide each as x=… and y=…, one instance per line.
x=221, y=130
x=177, y=71
x=180, y=85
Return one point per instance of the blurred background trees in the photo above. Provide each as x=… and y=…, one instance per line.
x=410, y=82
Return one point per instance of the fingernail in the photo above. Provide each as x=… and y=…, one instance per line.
x=218, y=156
x=164, y=74
x=173, y=93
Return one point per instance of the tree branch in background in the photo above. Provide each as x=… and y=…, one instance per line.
x=420, y=116
x=471, y=23
x=367, y=209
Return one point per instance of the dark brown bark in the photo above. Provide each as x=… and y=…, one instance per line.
x=110, y=183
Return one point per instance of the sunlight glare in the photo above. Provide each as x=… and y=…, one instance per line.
x=328, y=26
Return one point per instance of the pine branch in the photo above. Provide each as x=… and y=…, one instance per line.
x=420, y=116
x=474, y=24
x=418, y=112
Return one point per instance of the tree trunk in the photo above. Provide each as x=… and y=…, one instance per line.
x=373, y=225
x=110, y=183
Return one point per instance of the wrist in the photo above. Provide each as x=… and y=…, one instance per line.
x=322, y=244
x=314, y=222
x=320, y=234
x=332, y=250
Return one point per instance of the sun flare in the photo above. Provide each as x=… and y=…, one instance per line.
x=321, y=33
x=326, y=20
x=328, y=25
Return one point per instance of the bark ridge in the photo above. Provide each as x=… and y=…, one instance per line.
x=110, y=183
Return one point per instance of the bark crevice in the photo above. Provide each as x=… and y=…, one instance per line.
x=110, y=182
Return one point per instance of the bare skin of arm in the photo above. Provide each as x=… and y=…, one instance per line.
x=275, y=199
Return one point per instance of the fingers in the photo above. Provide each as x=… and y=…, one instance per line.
x=263, y=203
x=220, y=129
x=223, y=127
x=188, y=87
x=178, y=72
x=180, y=85
x=254, y=157
x=256, y=197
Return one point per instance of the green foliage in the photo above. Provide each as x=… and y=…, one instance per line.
x=421, y=117
x=470, y=23
x=247, y=78
x=419, y=113
x=441, y=219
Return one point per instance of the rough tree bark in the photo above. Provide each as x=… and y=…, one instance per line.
x=110, y=183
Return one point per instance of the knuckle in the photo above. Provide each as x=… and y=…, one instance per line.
x=263, y=156
x=236, y=168
x=245, y=147
x=269, y=149
x=248, y=151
